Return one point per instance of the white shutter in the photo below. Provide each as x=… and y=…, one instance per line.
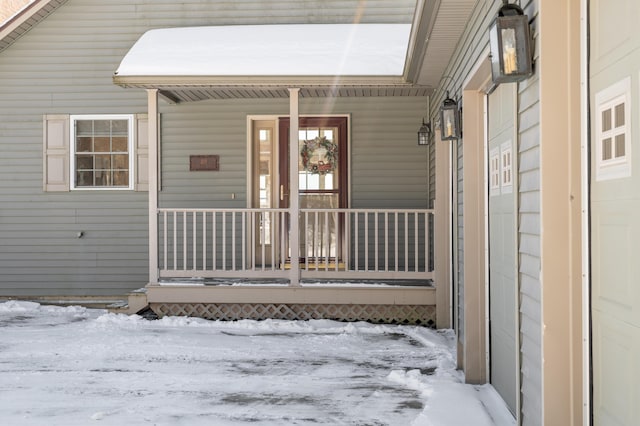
x=142, y=152
x=56, y=153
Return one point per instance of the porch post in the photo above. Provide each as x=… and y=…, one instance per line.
x=294, y=200
x=442, y=233
x=152, y=100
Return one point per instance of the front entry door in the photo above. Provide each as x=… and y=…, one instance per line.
x=502, y=246
x=322, y=180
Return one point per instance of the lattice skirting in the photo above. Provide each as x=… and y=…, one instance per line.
x=388, y=314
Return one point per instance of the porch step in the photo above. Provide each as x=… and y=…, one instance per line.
x=136, y=302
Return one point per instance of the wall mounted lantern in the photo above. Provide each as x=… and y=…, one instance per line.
x=424, y=133
x=510, y=44
x=449, y=120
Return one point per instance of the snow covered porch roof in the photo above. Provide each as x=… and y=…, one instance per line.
x=197, y=63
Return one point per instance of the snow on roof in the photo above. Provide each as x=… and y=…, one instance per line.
x=270, y=50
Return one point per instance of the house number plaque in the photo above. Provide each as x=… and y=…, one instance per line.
x=199, y=163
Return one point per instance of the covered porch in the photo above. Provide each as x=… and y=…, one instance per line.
x=288, y=258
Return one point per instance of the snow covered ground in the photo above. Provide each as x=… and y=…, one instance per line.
x=76, y=366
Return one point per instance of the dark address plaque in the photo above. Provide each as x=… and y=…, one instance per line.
x=208, y=163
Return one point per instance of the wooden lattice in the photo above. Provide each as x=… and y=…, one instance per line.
x=388, y=314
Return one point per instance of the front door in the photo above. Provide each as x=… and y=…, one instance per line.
x=503, y=288
x=322, y=181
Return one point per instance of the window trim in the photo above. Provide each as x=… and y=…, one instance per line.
x=131, y=144
x=609, y=98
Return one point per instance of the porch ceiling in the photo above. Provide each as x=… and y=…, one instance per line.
x=426, y=51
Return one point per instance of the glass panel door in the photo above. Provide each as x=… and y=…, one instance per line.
x=264, y=184
x=322, y=180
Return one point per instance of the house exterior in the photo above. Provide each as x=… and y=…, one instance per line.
x=518, y=234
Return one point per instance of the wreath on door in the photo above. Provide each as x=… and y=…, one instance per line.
x=324, y=166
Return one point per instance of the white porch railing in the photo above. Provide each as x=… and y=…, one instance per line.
x=334, y=243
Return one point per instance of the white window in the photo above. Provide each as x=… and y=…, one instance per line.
x=506, y=168
x=494, y=172
x=101, y=152
x=613, y=131
x=95, y=152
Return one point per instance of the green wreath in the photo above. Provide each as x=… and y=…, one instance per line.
x=322, y=167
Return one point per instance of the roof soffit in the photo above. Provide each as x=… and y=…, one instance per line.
x=19, y=24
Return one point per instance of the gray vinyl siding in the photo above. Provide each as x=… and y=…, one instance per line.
x=65, y=64
x=387, y=167
x=472, y=44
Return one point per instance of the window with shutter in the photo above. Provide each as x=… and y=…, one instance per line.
x=93, y=152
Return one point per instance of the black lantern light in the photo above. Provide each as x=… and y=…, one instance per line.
x=449, y=120
x=510, y=44
x=424, y=133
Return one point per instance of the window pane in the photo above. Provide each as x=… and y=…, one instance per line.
x=84, y=178
x=121, y=178
x=84, y=144
x=620, y=146
x=606, y=120
x=84, y=162
x=119, y=144
x=119, y=127
x=102, y=178
x=84, y=127
x=102, y=127
x=103, y=161
x=121, y=162
x=620, y=115
x=606, y=149
x=102, y=144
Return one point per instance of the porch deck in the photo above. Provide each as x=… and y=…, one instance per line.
x=402, y=302
x=354, y=265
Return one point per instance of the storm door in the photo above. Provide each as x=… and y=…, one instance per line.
x=322, y=183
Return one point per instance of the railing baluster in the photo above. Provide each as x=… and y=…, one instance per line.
x=366, y=240
x=224, y=241
x=376, y=240
x=175, y=241
x=194, y=238
x=356, y=241
x=396, y=240
x=165, y=264
x=416, y=257
x=386, y=241
x=214, y=238
x=204, y=241
x=406, y=241
x=283, y=235
x=427, y=246
x=243, y=255
x=336, y=220
x=233, y=241
x=327, y=239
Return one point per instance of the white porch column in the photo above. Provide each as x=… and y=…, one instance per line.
x=152, y=100
x=294, y=199
x=442, y=232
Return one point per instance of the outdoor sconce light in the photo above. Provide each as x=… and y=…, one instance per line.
x=510, y=45
x=449, y=120
x=424, y=133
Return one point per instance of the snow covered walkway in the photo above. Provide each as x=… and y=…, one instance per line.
x=76, y=366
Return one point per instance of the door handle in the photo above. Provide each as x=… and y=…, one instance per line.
x=281, y=192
